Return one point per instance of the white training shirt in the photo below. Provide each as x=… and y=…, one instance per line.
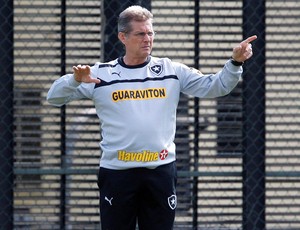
x=137, y=105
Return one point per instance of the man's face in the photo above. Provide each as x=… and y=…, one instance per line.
x=138, y=42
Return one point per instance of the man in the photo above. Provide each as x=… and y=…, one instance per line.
x=136, y=98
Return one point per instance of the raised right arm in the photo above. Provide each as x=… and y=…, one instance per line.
x=71, y=87
x=64, y=90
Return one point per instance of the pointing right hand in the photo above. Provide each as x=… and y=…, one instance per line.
x=82, y=73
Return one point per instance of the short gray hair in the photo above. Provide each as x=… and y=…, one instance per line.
x=132, y=13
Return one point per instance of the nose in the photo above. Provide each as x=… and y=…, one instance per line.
x=148, y=37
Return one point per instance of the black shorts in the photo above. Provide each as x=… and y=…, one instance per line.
x=138, y=195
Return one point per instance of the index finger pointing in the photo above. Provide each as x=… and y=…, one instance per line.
x=249, y=39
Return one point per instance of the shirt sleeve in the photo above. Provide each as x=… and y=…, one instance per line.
x=194, y=83
x=67, y=89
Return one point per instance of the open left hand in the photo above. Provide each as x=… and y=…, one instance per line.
x=243, y=51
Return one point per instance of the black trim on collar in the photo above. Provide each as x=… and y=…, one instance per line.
x=107, y=65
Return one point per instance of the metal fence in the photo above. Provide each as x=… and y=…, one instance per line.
x=238, y=155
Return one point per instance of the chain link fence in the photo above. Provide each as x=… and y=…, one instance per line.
x=238, y=156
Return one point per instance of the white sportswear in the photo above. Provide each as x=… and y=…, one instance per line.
x=137, y=105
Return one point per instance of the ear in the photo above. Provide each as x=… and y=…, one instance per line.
x=122, y=37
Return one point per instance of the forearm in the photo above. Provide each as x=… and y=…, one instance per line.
x=211, y=85
x=229, y=77
x=62, y=90
x=223, y=82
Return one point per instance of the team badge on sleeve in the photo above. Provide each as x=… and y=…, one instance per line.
x=156, y=69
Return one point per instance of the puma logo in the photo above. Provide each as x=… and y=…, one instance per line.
x=119, y=74
x=109, y=200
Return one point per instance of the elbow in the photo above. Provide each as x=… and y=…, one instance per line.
x=55, y=101
x=228, y=90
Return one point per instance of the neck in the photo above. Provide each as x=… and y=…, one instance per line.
x=134, y=61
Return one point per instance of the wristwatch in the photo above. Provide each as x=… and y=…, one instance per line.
x=236, y=63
